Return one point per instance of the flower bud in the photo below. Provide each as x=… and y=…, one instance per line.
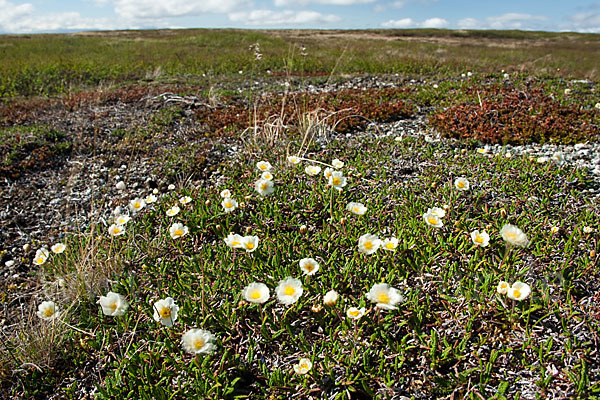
x=303, y=229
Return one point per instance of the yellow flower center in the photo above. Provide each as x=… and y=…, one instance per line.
x=511, y=235
x=40, y=260
x=390, y=245
x=289, y=291
x=517, y=293
x=249, y=245
x=353, y=313
x=199, y=343
x=49, y=312
x=228, y=204
x=137, y=205
x=432, y=220
x=235, y=243
x=336, y=181
x=368, y=245
x=309, y=267
x=117, y=230
x=264, y=186
x=383, y=298
x=478, y=239
x=460, y=184
x=255, y=294
x=356, y=209
x=263, y=167
x=165, y=312
x=113, y=306
x=178, y=232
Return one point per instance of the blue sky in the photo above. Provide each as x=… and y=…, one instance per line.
x=67, y=15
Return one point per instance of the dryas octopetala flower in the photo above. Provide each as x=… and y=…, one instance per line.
x=327, y=173
x=356, y=208
x=264, y=187
x=462, y=184
x=554, y=229
x=303, y=366
x=116, y=229
x=337, y=180
x=518, y=291
x=267, y=175
x=390, y=244
x=198, y=341
x=481, y=239
x=433, y=220
x=368, y=244
x=256, y=292
x=513, y=235
x=289, y=291
x=337, y=164
x=263, y=165
x=48, y=310
x=293, y=159
x=249, y=243
x=173, y=211
x=588, y=229
x=151, y=198
x=136, y=205
x=185, y=200
x=355, y=313
x=225, y=193
x=385, y=296
x=165, y=311
x=309, y=266
x=312, y=170
x=440, y=212
x=178, y=230
x=113, y=304
x=502, y=287
x=122, y=219
x=229, y=204
x=330, y=298
x=58, y=248
x=234, y=241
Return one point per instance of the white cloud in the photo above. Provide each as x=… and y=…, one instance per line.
x=506, y=21
x=288, y=3
x=468, y=23
x=268, y=17
x=410, y=23
x=585, y=21
x=142, y=9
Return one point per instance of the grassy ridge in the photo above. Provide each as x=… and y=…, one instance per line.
x=56, y=64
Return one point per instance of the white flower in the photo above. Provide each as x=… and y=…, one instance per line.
x=263, y=165
x=461, y=184
x=136, y=205
x=567, y=91
x=309, y=266
x=122, y=219
x=303, y=366
x=337, y=180
x=558, y=157
x=312, y=170
x=225, y=193
x=198, y=341
x=554, y=230
x=518, y=291
x=542, y=159
x=120, y=185
x=58, y=248
x=185, y=200
x=116, y=230
x=597, y=106
x=502, y=287
x=440, y=212
x=480, y=238
x=267, y=175
x=368, y=244
x=151, y=198
x=234, y=241
x=482, y=150
x=355, y=313
x=330, y=298
x=514, y=235
x=433, y=219
x=249, y=243
x=588, y=229
x=337, y=163
x=165, y=311
x=229, y=204
x=289, y=291
x=113, y=304
x=506, y=75
x=385, y=296
x=171, y=187
x=356, y=208
x=256, y=292
x=178, y=230
x=264, y=187
x=48, y=310
x=293, y=159
x=390, y=244
x=327, y=173
x=173, y=211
